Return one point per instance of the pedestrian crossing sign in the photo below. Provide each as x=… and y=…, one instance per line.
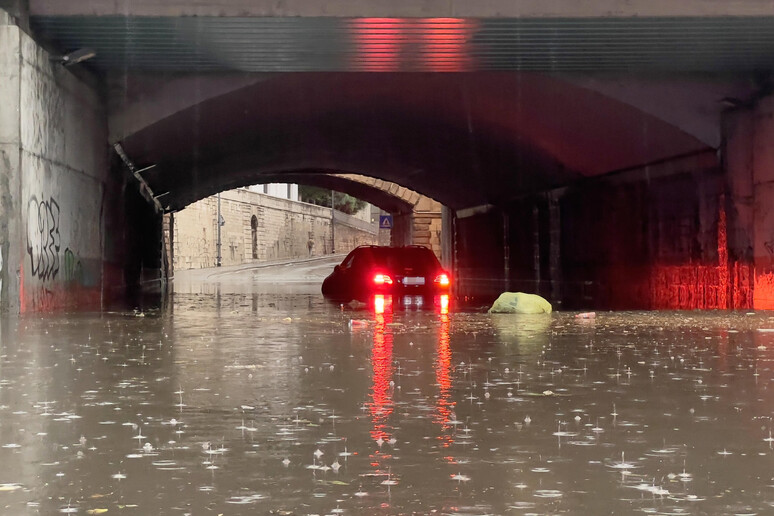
x=385, y=221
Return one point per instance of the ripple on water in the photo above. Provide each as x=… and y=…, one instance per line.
x=548, y=493
x=245, y=499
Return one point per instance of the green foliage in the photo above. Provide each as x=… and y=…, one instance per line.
x=322, y=197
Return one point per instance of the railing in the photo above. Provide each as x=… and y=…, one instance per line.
x=354, y=222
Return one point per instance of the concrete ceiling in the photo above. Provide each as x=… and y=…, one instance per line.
x=407, y=8
x=318, y=43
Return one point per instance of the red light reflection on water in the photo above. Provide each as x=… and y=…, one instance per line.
x=382, y=304
x=443, y=304
x=381, y=406
x=444, y=410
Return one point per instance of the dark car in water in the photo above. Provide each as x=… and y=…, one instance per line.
x=409, y=274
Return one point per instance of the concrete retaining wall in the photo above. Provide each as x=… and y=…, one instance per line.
x=653, y=238
x=53, y=171
x=259, y=228
x=749, y=163
x=649, y=238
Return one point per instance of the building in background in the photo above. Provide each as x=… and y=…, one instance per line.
x=281, y=190
x=263, y=223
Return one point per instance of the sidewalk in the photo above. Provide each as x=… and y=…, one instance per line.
x=216, y=272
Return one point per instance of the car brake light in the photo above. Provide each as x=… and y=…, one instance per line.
x=443, y=280
x=382, y=279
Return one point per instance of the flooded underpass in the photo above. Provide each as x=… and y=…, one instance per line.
x=255, y=399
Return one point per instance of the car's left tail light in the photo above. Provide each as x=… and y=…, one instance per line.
x=442, y=280
x=382, y=279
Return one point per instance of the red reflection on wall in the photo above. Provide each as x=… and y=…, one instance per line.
x=381, y=406
x=445, y=43
x=22, y=297
x=444, y=410
x=723, y=276
x=764, y=291
x=724, y=285
x=412, y=44
x=377, y=43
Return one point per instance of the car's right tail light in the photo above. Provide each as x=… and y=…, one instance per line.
x=442, y=280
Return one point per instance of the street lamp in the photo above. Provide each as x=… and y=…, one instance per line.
x=75, y=57
x=333, y=224
x=220, y=223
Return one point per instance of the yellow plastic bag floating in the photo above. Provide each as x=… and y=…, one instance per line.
x=520, y=303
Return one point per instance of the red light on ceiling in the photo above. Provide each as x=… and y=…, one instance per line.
x=376, y=41
x=446, y=42
x=411, y=44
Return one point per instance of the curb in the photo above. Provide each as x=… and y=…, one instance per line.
x=219, y=271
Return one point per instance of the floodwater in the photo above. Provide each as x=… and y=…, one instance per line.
x=266, y=400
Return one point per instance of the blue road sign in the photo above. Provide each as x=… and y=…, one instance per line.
x=385, y=221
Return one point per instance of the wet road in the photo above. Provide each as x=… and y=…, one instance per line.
x=250, y=394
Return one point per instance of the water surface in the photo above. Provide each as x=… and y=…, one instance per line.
x=265, y=400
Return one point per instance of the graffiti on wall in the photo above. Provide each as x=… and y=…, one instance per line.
x=43, y=238
x=73, y=271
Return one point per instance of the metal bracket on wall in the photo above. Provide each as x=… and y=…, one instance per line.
x=475, y=210
x=145, y=188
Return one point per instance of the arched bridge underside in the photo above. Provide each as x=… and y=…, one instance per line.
x=463, y=139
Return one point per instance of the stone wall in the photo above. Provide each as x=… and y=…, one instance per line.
x=258, y=228
x=53, y=174
x=427, y=227
x=352, y=231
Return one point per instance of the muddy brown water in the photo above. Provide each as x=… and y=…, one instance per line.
x=277, y=402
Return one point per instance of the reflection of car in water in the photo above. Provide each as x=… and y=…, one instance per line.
x=410, y=275
x=527, y=333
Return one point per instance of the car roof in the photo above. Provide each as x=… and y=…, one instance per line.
x=391, y=247
x=404, y=254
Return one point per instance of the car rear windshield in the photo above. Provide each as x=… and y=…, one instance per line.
x=406, y=258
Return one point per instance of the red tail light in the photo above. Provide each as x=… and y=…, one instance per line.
x=382, y=279
x=443, y=280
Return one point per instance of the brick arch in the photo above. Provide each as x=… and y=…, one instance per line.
x=424, y=223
